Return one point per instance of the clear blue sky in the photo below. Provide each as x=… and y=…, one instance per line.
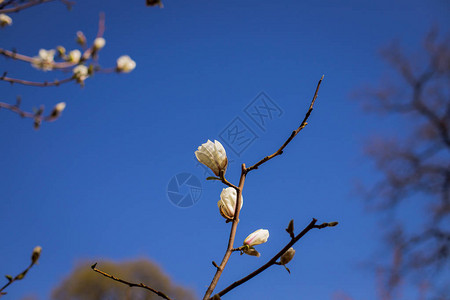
x=93, y=184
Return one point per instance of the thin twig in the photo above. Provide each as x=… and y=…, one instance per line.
x=35, y=83
x=273, y=260
x=293, y=134
x=30, y=4
x=244, y=172
x=34, y=259
x=130, y=284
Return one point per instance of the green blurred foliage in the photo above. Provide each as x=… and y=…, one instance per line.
x=85, y=284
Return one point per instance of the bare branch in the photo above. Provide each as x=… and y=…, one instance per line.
x=37, y=116
x=34, y=259
x=130, y=284
x=39, y=84
x=293, y=134
x=31, y=3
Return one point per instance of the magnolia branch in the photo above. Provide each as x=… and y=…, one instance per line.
x=34, y=259
x=64, y=65
x=130, y=284
x=244, y=171
x=293, y=134
x=56, y=82
x=38, y=115
x=88, y=53
x=31, y=3
x=274, y=260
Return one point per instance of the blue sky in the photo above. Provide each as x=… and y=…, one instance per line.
x=93, y=184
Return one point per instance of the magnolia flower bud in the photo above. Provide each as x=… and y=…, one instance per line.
x=61, y=50
x=74, y=56
x=258, y=237
x=287, y=256
x=36, y=253
x=99, y=43
x=227, y=203
x=125, y=64
x=44, y=60
x=57, y=110
x=81, y=38
x=81, y=72
x=5, y=20
x=154, y=2
x=213, y=156
x=251, y=251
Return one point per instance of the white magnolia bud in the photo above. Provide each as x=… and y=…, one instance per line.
x=99, y=43
x=81, y=72
x=5, y=20
x=61, y=50
x=60, y=107
x=258, y=237
x=74, y=56
x=81, y=38
x=36, y=254
x=287, y=256
x=125, y=64
x=44, y=60
x=213, y=156
x=227, y=202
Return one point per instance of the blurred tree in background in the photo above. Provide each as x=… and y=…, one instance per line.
x=84, y=284
x=414, y=166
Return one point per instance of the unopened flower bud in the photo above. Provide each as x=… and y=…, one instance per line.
x=251, y=251
x=287, y=256
x=154, y=3
x=57, y=110
x=213, y=156
x=5, y=20
x=81, y=72
x=99, y=43
x=258, y=237
x=125, y=64
x=81, y=39
x=36, y=254
x=227, y=203
x=61, y=50
x=74, y=56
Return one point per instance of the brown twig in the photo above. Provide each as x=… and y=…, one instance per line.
x=273, y=260
x=35, y=83
x=244, y=172
x=130, y=284
x=37, y=116
x=30, y=4
x=293, y=134
x=34, y=259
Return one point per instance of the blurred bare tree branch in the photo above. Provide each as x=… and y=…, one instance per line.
x=415, y=167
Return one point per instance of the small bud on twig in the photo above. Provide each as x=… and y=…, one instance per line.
x=36, y=254
x=81, y=38
x=290, y=229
